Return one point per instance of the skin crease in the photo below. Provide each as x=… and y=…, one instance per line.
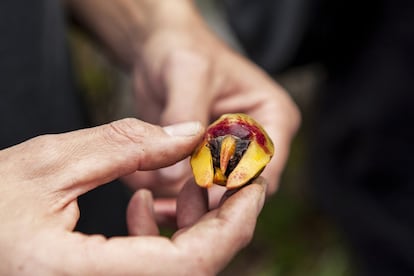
x=182, y=71
x=41, y=182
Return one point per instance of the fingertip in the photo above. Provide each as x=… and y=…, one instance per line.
x=263, y=184
x=261, y=181
x=140, y=214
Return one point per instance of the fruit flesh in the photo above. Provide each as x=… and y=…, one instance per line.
x=202, y=166
x=234, y=151
x=250, y=165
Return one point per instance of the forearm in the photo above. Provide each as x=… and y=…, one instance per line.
x=123, y=25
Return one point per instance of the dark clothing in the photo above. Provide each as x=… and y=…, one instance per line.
x=38, y=96
x=36, y=84
x=363, y=149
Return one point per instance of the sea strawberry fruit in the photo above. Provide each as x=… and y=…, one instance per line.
x=234, y=151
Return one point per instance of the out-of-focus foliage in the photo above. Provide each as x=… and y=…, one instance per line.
x=104, y=86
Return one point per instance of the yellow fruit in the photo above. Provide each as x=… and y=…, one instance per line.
x=235, y=150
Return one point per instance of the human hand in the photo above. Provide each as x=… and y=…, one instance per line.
x=42, y=178
x=184, y=72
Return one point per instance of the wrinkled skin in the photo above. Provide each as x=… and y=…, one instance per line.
x=181, y=72
x=42, y=178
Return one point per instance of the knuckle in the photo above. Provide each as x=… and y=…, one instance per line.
x=245, y=237
x=198, y=265
x=239, y=236
x=40, y=147
x=50, y=146
x=127, y=130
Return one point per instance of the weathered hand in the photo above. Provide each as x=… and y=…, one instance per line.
x=42, y=178
x=184, y=72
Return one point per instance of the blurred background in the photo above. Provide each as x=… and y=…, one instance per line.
x=293, y=238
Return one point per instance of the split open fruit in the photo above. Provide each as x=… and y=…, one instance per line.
x=234, y=151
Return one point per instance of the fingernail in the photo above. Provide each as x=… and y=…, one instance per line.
x=183, y=129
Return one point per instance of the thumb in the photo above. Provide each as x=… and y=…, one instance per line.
x=187, y=82
x=81, y=160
